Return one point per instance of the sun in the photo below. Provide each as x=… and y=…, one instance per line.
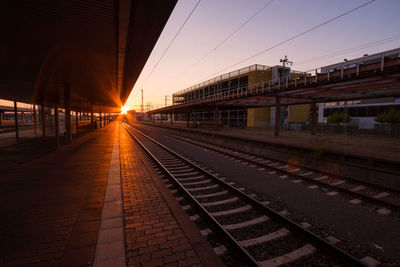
x=124, y=109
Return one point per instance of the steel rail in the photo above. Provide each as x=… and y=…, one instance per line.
x=328, y=247
x=209, y=217
x=279, y=150
x=355, y=194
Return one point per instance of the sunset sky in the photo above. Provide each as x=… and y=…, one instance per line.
x=213, y=20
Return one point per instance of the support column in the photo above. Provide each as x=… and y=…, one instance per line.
x=76, y=123
x=313, y=117
x=43, y=121
x=1, y=117
x=216, y=116
x=91, y=118
x=170, y=114
x=187, y=118
x=100, y=120
x=244, y=121
x=22, y=118
x=16, y=120
x=277, y=114
x=161, y=115
x=56, y=126
x=67, y=115
x=34, y=119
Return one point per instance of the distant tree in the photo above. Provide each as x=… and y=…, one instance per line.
x=389, y=116
x=338, y=117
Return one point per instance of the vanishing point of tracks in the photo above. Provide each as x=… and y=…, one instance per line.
x=255, y=232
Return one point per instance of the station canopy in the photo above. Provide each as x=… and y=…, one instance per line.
x=93, y=49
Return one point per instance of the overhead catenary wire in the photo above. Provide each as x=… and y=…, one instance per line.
x=291, y=38
x=225, y=39
x=349, y=50
x=172, y=41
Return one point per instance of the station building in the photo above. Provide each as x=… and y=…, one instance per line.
x=362, y=111
x=240, y=81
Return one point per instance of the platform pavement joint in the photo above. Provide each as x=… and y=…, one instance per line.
x=153, y=236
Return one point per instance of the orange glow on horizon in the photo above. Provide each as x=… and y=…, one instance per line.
x=125, y=109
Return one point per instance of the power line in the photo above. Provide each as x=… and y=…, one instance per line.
x=173, y=39
x=226, y=38
x=349, y=50
x=293, y=37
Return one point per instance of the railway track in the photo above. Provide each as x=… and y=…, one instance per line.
x=257, y=233
x=386, y=198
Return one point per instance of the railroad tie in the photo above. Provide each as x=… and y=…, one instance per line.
x=202, y=188
x=191, y=178
x=212, y=194
x=196, y=183
x=232, y=211
x=304, y=251
x=246, y=223
x=265, y=238
x=221, y=202
x=185, y=174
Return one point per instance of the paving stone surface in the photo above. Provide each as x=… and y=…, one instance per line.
x=51, y=207
x=155, y=233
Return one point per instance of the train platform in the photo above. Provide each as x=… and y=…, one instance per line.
x=95, y=202
x=382, y=148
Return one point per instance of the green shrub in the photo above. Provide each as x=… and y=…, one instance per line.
x=338, y=117
x=390, y=116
